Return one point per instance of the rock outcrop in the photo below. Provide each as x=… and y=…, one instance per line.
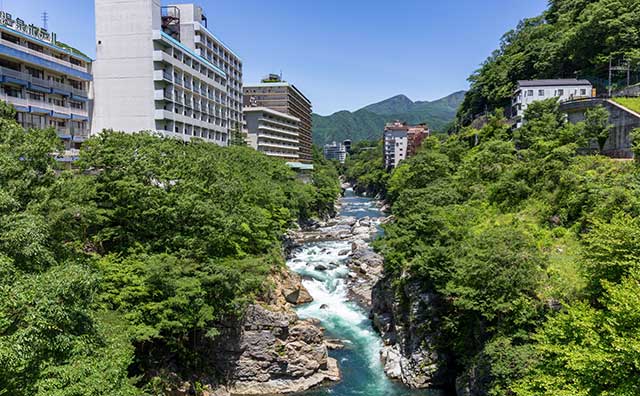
x=407, y=321
x=366, y=270
x=270, y=350
x=278, y=353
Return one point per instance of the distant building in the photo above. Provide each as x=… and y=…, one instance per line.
x=46, y=82
x=161, y=69
x=273, y=133
x=281, y=96
x=530, y=91
x=402, y=141
x=347, y=146
x=335, y=152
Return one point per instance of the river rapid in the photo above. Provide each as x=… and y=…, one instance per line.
x=360, y=365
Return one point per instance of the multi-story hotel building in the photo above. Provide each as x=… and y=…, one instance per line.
x=149, y=75
x=279, y=95
x=194, y=33
x=335, y=152
x=274, y=133
x=46, y=82
x=402, y=141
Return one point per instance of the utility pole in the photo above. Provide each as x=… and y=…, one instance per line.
x=610, y=76
x=45, y=20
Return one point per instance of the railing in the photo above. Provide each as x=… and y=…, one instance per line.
x=42, y=82
x=42, y=104
x=42, y=55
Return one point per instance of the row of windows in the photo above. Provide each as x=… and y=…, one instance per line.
x=558, y=92
x=194, y=64
x=39, y=48
x=41, y=97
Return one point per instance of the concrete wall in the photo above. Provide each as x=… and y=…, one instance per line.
x=123, y=70
x=619, y=143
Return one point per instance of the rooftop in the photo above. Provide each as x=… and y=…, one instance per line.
x=553, y=82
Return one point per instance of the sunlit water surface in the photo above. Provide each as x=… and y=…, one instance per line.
x=360, y=366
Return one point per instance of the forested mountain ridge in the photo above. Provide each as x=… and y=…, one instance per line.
x=368, y=122
x=571, y=39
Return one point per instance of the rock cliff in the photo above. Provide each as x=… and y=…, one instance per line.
x=271, y=350
x=407, y=320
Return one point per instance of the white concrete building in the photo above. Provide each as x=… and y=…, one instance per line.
x=402, y=141
x=48, y=84
x=147, y=78
x=273, y=133
x=335, y=152
x=194, y=33
x=530, y=91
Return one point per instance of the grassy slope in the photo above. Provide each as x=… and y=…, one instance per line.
x=630, y=103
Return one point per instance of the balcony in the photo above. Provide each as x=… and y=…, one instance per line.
x=44, y=105
x=42, y=82
x=42, y=55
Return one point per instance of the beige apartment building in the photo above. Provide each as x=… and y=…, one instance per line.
x=283, y=97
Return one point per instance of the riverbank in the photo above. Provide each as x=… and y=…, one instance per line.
x=339, y=269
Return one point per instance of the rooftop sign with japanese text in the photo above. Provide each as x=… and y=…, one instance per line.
x=32, y=30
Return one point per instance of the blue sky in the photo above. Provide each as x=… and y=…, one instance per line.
x=343, y=54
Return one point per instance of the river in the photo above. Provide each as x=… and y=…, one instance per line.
x=360, y=366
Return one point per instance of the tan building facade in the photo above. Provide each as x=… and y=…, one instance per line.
x=283, y=97
x=273, y=133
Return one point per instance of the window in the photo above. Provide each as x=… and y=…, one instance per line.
x=56, y=101
x=35, y=95
x=583, y=92
x=13, y=92
x=35, y=46
x=35, y=72
x=529, y=92
x=541, y=92
x=560, y=92
x=11, y=38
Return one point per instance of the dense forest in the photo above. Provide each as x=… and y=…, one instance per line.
x=533, y=249
x=572, y=39
x=114, y=272
x=531, y=244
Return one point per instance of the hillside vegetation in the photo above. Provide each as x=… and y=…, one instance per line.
x=573, y=38
x=368, y=122
x=533, y=250
x=114, y=275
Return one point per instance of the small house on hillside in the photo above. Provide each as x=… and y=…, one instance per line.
x=530, y=91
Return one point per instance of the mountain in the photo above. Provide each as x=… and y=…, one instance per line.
x=368, y=122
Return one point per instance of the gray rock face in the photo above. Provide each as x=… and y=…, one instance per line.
x=410, y=335
x=277, y=353
x=365, y=271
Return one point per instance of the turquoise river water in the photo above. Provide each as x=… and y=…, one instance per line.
x=360, y=366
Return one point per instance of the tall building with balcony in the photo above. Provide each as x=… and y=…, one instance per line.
x=148, y=74
x=273, y=133
x=281, y=96
x=402, y=141
x=47, y=83
x=195, y=33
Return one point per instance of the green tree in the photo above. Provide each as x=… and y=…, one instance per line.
x=597, y=126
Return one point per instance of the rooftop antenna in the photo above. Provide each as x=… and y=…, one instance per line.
x=45, y=20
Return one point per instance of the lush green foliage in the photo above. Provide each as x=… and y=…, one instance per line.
x=364, y=168
x=368, y=122
x=128, y=262
x=533, y=249
x=572, y=38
